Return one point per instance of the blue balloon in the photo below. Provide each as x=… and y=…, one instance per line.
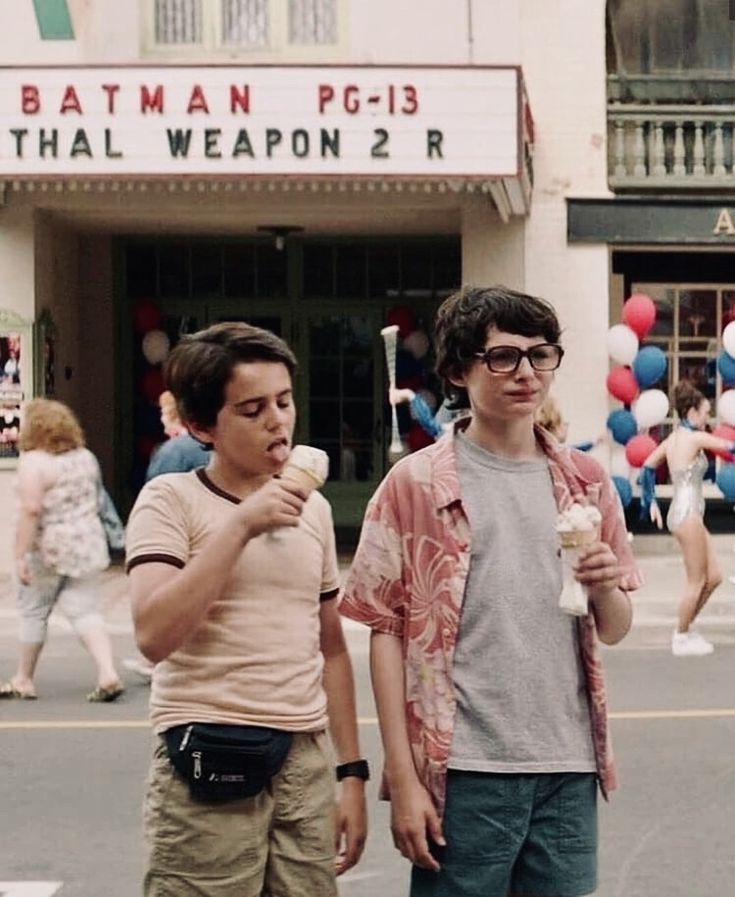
x=726, y=481
x=649, y=366
x=625, y=490
x=726, y=364
x=622, y=425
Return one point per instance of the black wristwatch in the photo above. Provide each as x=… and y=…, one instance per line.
x=357, y=768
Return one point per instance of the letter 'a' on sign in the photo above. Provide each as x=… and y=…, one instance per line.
x=54, y=21
x=724, y=223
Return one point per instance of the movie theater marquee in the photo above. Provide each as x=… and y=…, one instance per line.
x=261, y=121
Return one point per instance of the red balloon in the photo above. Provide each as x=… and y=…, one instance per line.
x=725, y=431
x=152, y=384
x=404, y=317
x=622, y=384
x=639, y=313
x=639, y=448
x=146, y=316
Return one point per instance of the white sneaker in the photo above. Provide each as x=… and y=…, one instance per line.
x=139, y=665
x=731, y=579
x=690, y=644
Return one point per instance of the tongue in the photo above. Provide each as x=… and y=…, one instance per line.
x=280, y=452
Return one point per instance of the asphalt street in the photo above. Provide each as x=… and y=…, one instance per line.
x=73, y=773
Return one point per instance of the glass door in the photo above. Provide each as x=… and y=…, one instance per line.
x=342, y=382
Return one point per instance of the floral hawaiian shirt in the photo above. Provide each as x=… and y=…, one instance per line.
x=408, y=579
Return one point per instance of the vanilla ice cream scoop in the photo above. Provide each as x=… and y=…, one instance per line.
x=578, y=518
x=307, y=467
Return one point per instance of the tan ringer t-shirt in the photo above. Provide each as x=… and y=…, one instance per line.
x=255, y=659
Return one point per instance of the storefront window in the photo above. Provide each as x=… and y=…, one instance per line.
x=689, y=321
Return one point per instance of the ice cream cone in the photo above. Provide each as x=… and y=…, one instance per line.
x=307, y=467
x=304, y=479
x=577, y=538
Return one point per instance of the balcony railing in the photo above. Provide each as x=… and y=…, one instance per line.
x=671, y=146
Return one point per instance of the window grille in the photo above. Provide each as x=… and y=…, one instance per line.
x=178, y=21
x=312, y=21
x=245, y=23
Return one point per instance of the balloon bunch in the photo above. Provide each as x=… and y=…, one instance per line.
x=726, y=412
x=154, y=347
x=637, y=371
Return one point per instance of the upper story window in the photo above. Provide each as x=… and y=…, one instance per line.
x=179, y=21
x=312, y=21
x=259, y=28
x=660, y=37
x=246, y=23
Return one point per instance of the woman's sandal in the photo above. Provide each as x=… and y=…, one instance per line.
x=8, y=690
x=105, y=695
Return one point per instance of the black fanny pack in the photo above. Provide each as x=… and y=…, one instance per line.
x=222, y=763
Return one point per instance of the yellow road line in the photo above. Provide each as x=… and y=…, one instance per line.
x=69, y=724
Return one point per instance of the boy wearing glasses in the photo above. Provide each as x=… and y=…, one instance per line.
x=491, y=699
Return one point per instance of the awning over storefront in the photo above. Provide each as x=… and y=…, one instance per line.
x=273, y=129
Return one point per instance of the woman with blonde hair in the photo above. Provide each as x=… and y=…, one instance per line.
x=181, y=452
x=60, y=544
x=549, y=417
x=684, y=451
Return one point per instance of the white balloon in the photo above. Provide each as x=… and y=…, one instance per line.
x=728, y=338
x=155, y=346
x=619, y=466
x=651, y=408
x=726, y=406
x=622, y=344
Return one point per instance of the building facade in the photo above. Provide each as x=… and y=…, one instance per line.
x=319, y=167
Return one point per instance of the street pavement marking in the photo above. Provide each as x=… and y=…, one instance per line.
x=363, y=721
x=75, y=724
x=29, y=888
x=672, y=714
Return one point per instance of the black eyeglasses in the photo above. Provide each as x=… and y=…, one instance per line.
x=506, y=359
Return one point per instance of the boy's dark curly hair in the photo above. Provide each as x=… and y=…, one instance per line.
x=462, y=324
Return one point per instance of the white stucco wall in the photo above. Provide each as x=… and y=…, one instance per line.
x=492, y=252
x=564, y=67
x=381, y=31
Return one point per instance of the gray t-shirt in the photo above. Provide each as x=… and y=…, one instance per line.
x=522, y=703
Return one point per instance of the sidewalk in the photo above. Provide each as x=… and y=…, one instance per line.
x=655, y=603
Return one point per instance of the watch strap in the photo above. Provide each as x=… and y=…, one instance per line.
x=357, y=768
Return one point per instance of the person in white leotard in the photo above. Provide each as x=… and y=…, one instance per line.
x=683, y=451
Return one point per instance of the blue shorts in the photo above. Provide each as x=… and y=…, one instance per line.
x=507, y=834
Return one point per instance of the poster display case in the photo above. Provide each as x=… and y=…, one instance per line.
x=16, y=380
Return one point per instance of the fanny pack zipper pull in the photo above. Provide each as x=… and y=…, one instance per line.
x=197, y=755
x=185, y=739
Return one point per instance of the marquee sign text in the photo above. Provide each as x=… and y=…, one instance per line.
x=238, y=120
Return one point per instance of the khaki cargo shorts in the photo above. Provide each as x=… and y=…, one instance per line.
x=280, y=843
